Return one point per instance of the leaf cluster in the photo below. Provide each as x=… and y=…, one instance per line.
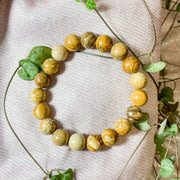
x=90, y=4
x=168, y=5
x=68, y=175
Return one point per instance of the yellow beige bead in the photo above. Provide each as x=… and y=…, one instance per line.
x=77, y=142
x=104, y=43
x=47, y=126
x=42, y=80
x=60, y=137
x=138, y=97
x=88, y=40
x=119, y=51
x=38, y=95
x=94, y=143
x=50, y=66
x=122, y=126
x=72, y=43
x=41, y=111
x=59, y=53
x=134, y=113
x=131, y=65
x=109, y=137
x=138, y=80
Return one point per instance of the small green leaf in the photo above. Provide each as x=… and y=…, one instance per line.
x=167, y=2
x=166, y=94
x=90, y=4
x=161, y=150
x=56, y=177
x=161, y=138
x=28, y=71
x=173, y=129
x=154, y=67
x=142, y=124
x=161, y=105
x=162, y=126
x=77, y=0
x=176, y=178
x=167, y=168
x=68, y=175
x=172, y=157
x=178, y=8
x=174, y=119
x=39, y=54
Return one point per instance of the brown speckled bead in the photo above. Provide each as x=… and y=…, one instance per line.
x=50, y=66
x=138, y=97
x=94, y=143
x=119, y=51
x=72, y=43
x=38, y=95
x=109, y=137
x=134, y=113
x=60, y=137
x=104, y=43
x=131, y=65
x=47, y=126
x=122, y=126
x=88, y=40
x=41, y=111
x=42, y=80
x=138, y=80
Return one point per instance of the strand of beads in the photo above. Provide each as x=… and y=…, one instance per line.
x=51, y=66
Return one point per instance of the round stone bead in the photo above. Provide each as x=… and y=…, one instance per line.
x=77, y=142
x=60, y=137
x=94, y=143
x=131, y=65
x=47, y=126
x=138, y=97
x=72, y=43
x=122, y=126
x=134, y=113
x=138, y=80
x=109, y=137
x=59, y=53
x=38, y=95
x=104, y=43
x=41, y=111
x=50, y=66
x=119, y=51
x=42, y=80
x=88, y=40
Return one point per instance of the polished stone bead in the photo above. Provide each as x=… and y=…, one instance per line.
x=47, y=126
x=134, y=113
x=122, y=126
x=138, y=80
x=42, y=80
x=41, y=111
x=109, y=137
x=104, y=43
x=138, y=97
x=38, y=95
x=119, y=51
x=60, y=137
x=72, y=43
x=59, y=53
x=131, y=65
x=77, y=142
x=50, y=66
x=88, y=40
x=94, y=143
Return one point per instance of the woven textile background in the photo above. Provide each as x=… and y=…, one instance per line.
x=87, y=96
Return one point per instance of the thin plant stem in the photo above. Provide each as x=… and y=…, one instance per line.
x=169, y=12
x=170, y=63
x=135, y=150
x=172, y=80
x=108, y=57
x=170, y=27
x=12, y=129
x=154, y=171
x=157, y=160
x=177, y=157
x=176, y=26
x=168, y=9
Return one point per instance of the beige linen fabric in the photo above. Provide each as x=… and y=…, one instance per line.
x=87, y=96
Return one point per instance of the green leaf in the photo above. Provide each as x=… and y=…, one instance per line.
x=172, y=157
x=68, y=175
x=163, y=125
x=28, y=71
x=161, y=105
x=167, y=4
x=178, y=8
x=161, y=138
x=154, y=67
x=39, y=54
x=173, y=129
x=174, y=119
x=167, y=168
x=142, y=124
x=166, y=94
x=90, y=4
x=176, y=178
x=161, y=150
x=77, y=0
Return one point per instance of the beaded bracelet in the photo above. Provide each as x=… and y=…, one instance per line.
x=47, y=59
